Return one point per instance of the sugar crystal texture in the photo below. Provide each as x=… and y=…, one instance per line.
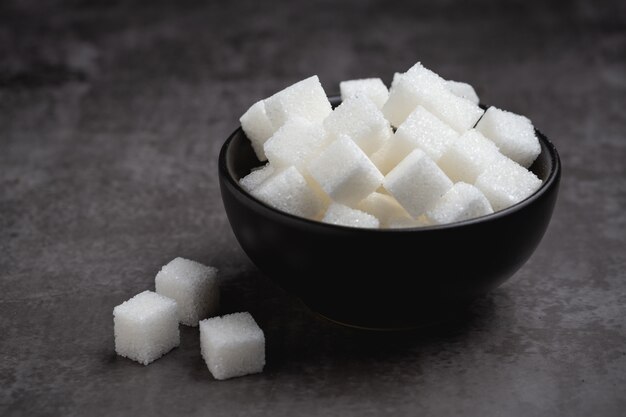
x=257, y=127
x=345, y=172
x=360, y=119
x=372, y=88
x=342, y=215
x=232, y=345
x=459, y=113
x=506, y=183
x=402, y=222
x=396, y=77
x=256, y=177
x=462, y=202
x=463, y=90
x=417, y=183
x=305, y=99
x=193, y=286
x=289, y=191
x=421, y=129
x=420, y=71
x=512, y=133
x=295, y=143
x=420, y=86
x=468, y=156
x=403, y=97
x=382, y=206
x=323, y=198
x=146, y=327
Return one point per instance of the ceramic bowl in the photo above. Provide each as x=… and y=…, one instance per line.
x=385, y=278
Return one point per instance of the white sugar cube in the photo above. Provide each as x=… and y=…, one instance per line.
x=421, y=129
x=232, y=345
x=402, y=222
x=383, y=207
x=295, y=143
x=468, y=156
x=193, y=286
x=383, y=157
x=459, y=113
x=512, y=133
x=305, y=99
x=256, y=177
x=420, y=71
x=396, y=77
x=463, y=90
x=323, y=198
x=345, y=172
x=146, y=327
x=417, y=183
x=359, y=118
x=506, y=183
x=404, y=94
x=289, y=191
x=372, y=88
x=421, y=86
x=257, y=127
x=461, y=202
x=340, y=214
x=424, y=130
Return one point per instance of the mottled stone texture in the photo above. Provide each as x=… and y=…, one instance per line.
x=112, y=114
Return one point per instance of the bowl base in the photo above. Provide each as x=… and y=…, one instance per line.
x=419, y=321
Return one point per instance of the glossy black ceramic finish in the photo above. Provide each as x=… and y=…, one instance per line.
x=385, y=278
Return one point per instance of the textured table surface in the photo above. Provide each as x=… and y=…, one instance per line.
x=111, y=118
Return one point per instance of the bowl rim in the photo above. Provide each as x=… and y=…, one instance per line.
x=553, y=176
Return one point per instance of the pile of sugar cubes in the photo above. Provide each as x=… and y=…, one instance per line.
x=187, y=292
x=420, y=153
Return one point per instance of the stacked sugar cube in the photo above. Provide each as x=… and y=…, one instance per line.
x=146, y=326
x=420, y=153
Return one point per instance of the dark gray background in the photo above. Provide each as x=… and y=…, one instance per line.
x=111, y=118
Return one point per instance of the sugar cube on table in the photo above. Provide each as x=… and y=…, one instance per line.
x=420, y=86
x=345, y=172
x=421, y=129
x=463, y=90
x=512, y=133
x=146, y=327
x=360, y=119
x=257, y=127
x=295, y=143
x=290, y=192
x=461, y=202
x=305, y=98
x=417, y=183
x=372, y=88
x=468, y=156
x=383, y=207
x=256, y=177
x=193, y=286
x=506, y=183
x=232, y=345
x=340, y=214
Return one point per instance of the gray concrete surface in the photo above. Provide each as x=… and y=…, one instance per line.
x=111, y=118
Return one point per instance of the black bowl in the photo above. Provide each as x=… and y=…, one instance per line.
x=385, y=278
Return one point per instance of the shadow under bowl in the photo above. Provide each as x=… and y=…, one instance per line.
x=385, y=278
